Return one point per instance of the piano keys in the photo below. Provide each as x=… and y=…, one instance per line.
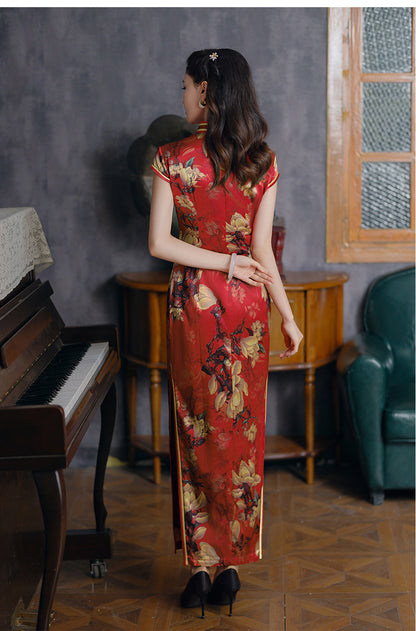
x=53, y=380
x=68, y=377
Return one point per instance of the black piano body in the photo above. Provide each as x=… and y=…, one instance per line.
x=38, y=441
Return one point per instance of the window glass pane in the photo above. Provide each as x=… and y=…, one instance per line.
x=387, y=39
x=385, y=189
x=386, y=116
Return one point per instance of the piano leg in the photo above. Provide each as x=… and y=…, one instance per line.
x=52, y=497
x=108, y=416
x=95, y=544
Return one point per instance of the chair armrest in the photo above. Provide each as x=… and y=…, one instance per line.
x=364, y=365
x=365, y=345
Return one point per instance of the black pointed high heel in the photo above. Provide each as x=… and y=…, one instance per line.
x=196, y=591
x=224, y=589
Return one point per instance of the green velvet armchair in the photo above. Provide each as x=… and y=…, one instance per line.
x=376, y=374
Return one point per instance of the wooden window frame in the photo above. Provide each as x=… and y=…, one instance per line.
x=346, y=241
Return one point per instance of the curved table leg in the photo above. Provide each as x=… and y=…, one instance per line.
x=155, y=406
x=108, y=416
x=131, y=400
x=310, y=421
x=52, y=497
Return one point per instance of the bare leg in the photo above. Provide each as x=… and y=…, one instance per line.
x=220, y=569
x=198, y=568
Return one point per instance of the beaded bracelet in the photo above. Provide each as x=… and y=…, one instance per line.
x=232, y=265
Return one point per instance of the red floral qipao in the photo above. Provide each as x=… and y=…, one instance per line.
x=218, y=336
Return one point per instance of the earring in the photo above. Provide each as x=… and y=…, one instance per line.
x=202, y=104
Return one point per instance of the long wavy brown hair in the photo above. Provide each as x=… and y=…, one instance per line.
x=236, y=129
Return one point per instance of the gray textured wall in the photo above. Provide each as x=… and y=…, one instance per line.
x=77, y=86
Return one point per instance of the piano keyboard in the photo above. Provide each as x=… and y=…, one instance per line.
x=68, y=377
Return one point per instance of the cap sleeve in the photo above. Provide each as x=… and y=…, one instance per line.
x=160, y=165
x=272, y=174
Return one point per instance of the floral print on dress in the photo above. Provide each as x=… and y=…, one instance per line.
x=218, y=342
x=251, y=346
x=186, y=173
x=199, y=426
x=227, y=382
x=247, y=496
x=238, y=229
x=184, y=202
x=184, y=284
x=194, y=515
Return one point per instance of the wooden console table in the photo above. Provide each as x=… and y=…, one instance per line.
x=317, y=303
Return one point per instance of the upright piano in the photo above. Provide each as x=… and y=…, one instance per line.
x=53, y=380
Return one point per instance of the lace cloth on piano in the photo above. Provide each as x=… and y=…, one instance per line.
x=23, y=247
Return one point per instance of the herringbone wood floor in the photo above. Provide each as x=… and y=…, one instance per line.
x=332, y=561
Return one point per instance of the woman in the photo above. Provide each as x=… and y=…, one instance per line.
x=222, y=182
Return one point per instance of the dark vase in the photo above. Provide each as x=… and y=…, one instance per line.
x=278, y=241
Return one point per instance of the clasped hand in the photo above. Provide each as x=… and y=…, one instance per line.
x=250, y=271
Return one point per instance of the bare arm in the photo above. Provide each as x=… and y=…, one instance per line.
x=262, y=252
x=163, y=245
